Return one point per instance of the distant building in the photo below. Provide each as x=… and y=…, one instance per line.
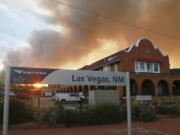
x=149, y=68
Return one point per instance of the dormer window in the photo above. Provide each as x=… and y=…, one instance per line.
x=142, y=66
x=116, y=67
x=111, y=58
x=106, y=68
x=148, y=67
x=156, y=68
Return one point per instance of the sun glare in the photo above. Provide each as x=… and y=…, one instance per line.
x=39, y=85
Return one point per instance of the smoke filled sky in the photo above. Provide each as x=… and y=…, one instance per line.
x=73, y=33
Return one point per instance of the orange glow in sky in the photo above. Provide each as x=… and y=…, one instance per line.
x=39, y=85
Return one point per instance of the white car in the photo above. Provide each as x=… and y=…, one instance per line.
x=73, y=97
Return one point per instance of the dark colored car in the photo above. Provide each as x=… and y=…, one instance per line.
x=23, y=96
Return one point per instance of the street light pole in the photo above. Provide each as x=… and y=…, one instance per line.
x=38, y=87
x=128, y=100
x=38, y=94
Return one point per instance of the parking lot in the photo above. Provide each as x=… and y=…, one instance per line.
x=49, y=101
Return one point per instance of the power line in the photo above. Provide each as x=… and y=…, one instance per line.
x=114, y=20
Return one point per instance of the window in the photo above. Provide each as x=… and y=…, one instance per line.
x=142, y=67
x=116, y=67
x=106, y=68
x=110, y=58
x=73, y=95
x=156, y=67
x=148, y=67
x=137, y=68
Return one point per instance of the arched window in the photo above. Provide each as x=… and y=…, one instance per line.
x=67, y=89
x=92, y=87
x=80, y=88
x=75, y=89
x=124, y=91
x=111, y=88
x=133, y=87
x=148, y=88
x=101, y=88
x=86, y=90
x=163, y=88
x=176, y=87
x=71, y=89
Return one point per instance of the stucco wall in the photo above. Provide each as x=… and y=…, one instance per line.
x=103, y=96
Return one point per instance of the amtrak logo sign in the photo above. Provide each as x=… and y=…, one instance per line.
x=30, y=72
x=18, y=71
x=22, y=75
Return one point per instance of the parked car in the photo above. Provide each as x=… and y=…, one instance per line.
x=23, y=96
x=72, y=97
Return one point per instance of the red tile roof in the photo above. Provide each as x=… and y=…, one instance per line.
x=105, y=61
x=175, y=71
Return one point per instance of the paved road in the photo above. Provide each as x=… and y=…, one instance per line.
x=44, y=101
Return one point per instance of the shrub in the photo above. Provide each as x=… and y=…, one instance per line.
x=143, y=112
x=104, y=113
x=174, y=109
x=100, y=114
x=163, y=109
x=72, y=117
x=135, y=111
x=19, y=112
x=51, y=115
x=147, y=113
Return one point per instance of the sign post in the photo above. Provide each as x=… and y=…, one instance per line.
x=128, y=98
x=21, y=75
x=6, y=101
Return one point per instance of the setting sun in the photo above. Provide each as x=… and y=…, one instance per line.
x=39, y=85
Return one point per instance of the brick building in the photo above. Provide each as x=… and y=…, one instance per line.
x=149, y=68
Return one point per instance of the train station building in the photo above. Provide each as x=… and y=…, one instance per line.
x=149, y=67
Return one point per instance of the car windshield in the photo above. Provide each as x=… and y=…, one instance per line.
x=73, y=95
